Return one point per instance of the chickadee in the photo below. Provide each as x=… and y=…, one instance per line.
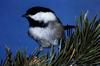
x=44, y=26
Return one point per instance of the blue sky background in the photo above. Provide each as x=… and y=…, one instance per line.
x=13, y=28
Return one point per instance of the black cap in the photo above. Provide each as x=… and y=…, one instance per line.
x=37, y=9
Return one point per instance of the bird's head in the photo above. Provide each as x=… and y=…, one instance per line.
x=40, y=15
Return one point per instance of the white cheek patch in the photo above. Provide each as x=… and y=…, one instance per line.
x=36, y=17
x=43, y=16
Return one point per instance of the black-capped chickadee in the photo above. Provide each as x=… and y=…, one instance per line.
x=44, y=26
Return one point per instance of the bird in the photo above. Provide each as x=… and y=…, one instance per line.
x=44, y=26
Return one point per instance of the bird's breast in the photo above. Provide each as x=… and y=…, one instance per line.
x=40, y=33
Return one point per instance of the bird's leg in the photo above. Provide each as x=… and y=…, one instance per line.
x=40, y=48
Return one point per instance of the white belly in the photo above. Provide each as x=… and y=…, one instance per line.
x=43, y=33
x=40, y=33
